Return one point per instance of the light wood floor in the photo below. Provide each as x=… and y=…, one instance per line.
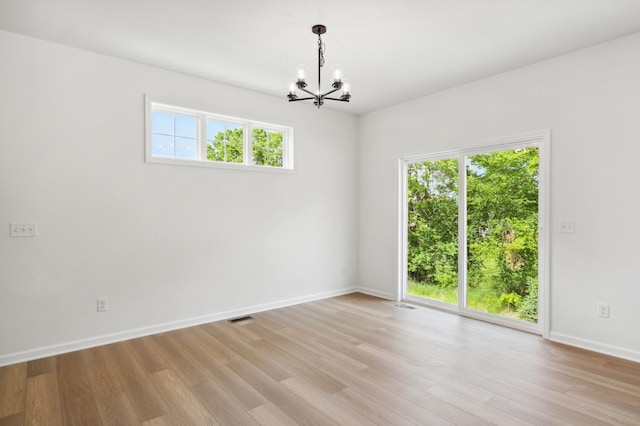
x=351, y=360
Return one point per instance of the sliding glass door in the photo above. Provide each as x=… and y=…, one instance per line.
x=471, y=231
x=432, y=225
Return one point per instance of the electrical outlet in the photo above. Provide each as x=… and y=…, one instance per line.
x=23, y=229
x=102, y=304
x=603, y=310
x=567, y=227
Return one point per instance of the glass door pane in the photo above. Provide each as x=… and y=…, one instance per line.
x=432, y=230
x=502, y=233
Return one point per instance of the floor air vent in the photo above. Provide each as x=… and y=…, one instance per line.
x=240, y=319
x=402, y=305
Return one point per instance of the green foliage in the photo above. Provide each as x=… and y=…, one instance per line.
x=502, y=200
x=444, y=294
x=433, y=222
x=267, y=147
x=511, y=300
x=502, y=223
x=485, y=298
x=529, y=309
x=481, y=298
x=227, y=146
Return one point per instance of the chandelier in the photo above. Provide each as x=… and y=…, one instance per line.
x=319, y=97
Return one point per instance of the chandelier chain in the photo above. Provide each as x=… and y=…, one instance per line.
x=322, y=47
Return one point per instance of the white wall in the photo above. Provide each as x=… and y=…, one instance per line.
x=591, y=102
x=165, y=244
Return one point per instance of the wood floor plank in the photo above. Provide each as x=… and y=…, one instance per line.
x=581, y=375
x=167, y=420
x=477, y=409
x=270, y=415
x=246, y=395
x=205, y=350
x=381, y=393
x=296, y=317
x=608, y=400
x=310, y=343
x=555, y=404
x=225, y=334
x=224, y=408
x=76, y=395
x=299, y=365
x=13, y=420
x=13, y=387
x=370, y=408
x=144, y=397
x=103, y=374
x=455, y=413
x=147, y=355
x=117, y=410
x=179, y=361
x=333, y=408
x=461, y=387
x=407, y=384
x=526, y=414
x=213, y=347
x=242, y=331
x=261, y=328
x=43, y=401
x=621, y=368
x=42, y=366
x=294, y=407
x=183, y=403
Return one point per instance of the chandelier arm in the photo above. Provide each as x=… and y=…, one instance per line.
x=331, y=91
x=309, y=92
x=301, y=99
x=337, y=99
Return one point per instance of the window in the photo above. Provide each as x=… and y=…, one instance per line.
x=185, y=136
x=473, y=239
x=225, y=141
x=267, y=147
x=174, y=135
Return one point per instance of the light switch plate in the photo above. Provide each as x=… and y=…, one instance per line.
x=23, y=229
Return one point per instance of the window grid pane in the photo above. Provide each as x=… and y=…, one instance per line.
x=162, y=146
x=267, y=147
x=186, y=126
x=224, y=141
x=174, y=135
x=162, y=123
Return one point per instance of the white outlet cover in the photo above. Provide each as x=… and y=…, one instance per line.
x=603, y=310
x=23, y=229
x=103, y=304
x=567, y=227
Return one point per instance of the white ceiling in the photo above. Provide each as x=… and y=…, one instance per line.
x=390, y=50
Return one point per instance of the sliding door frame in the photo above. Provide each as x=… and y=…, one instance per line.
x=541, y=140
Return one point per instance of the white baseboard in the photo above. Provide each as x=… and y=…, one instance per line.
x=43, y=352
x=594, y=346
x=376, y=293
x=17, y=357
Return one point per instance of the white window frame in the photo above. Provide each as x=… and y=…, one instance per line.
x=157, y=104
x=540, y=139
